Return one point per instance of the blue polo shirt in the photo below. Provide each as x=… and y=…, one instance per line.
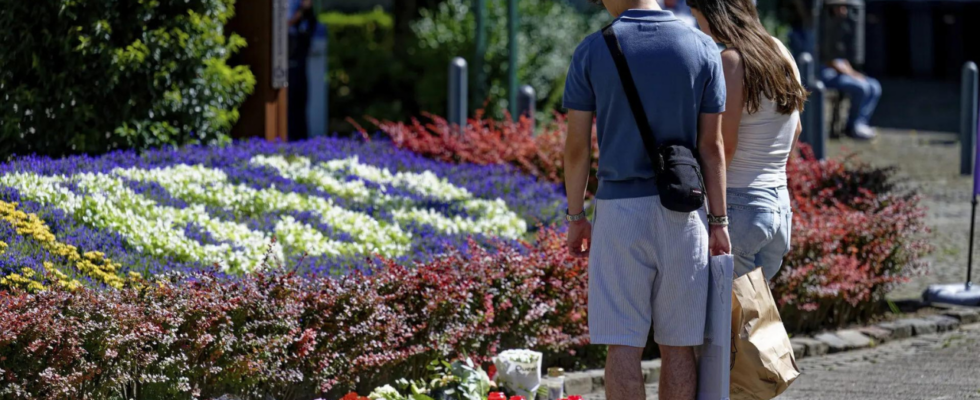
x=677, y=70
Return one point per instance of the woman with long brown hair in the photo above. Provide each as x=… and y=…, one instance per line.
x=760, y=127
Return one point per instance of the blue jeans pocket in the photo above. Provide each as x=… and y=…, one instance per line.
x=750, y=228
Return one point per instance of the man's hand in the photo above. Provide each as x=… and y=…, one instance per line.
x=580, y=238
x=719, y=243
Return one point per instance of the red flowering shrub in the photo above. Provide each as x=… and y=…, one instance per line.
x=485, y=141
x=854, y=238
x=289, y=336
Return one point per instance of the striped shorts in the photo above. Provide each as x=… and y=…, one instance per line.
x=647, y=266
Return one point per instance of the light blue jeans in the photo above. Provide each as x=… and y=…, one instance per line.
x=760, y=225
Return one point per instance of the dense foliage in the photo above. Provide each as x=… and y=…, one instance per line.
x=855, y=234
x=365, y=75
x=486, y=141
x=855, y=237
x=548, y=33
x=329, y=202
x=289, y=336
x=365, y=63
x=93, y=75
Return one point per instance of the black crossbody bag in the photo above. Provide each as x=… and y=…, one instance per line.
x=678, y=173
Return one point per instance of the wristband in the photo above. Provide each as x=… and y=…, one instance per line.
x=717, y=220
x=574, y=218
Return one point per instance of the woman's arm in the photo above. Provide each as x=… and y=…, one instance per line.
x=796, y=138
x=731, y=62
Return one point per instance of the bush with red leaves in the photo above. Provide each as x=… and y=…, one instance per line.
x=287, y=336
x=854, y=235
x=486, y=141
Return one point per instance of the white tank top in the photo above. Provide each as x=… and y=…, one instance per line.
x=765, y=140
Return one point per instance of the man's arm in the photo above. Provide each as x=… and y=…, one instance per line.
x=731, y=62
x=578, y=150
x=578, y=165
x=711, y=146
x=842, y=66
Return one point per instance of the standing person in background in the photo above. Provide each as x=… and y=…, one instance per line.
x=302, y=26
x=648, y=265
x=863, y=91
x=760, y=126
x=802, y=35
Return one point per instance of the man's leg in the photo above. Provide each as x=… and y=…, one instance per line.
x=680, y=298
x=678, y=373
x=870, y=100
x=859, y=92
x=624, y=378
x=622, y=272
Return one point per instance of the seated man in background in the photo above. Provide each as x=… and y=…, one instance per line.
x=863, y=91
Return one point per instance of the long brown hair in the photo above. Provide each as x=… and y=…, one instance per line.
x=767, y=72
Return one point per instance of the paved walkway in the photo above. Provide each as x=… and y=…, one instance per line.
x=929, y=162
x=939, y=366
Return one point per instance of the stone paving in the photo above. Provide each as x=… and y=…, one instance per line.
x=929, y=162
x=932, y=366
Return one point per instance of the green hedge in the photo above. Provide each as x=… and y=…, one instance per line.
x=363, y=68
x=548, y=33
x=368, y=76
x=93, y=75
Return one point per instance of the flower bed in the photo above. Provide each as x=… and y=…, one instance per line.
x=330, y=204
x=855, y=235
x=289, y=336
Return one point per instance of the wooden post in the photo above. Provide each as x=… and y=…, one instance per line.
x=264, y=113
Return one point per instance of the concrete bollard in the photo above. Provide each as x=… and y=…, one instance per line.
x=457, y=94
x=968, y=117
x=805, y=64
x=812, y=119
x=807, y=69
x=818, y=130
x=526, y=97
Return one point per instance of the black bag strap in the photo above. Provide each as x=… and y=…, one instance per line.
x=636, y=105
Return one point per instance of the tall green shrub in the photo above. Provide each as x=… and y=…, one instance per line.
x=93, y=75
x=365, y=76
x=548, y=34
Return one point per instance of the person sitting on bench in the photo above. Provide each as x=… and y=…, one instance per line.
x=838, y=74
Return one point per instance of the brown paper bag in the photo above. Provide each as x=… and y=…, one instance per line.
x=763, y=364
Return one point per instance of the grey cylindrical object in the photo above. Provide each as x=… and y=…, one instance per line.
x=807, y=68
x=968, y=117
x=818, y=130
x=457, y=93
x=526, y=97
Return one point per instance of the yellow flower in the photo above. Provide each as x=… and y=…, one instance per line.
x=92, y=263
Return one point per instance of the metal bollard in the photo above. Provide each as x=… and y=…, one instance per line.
x=818, y=129
x=526, y=97
x=968, y=117
x=807, y=69
x=805, y=64
x=457, y=94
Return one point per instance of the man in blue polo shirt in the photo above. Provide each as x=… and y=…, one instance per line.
x=647, y=264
